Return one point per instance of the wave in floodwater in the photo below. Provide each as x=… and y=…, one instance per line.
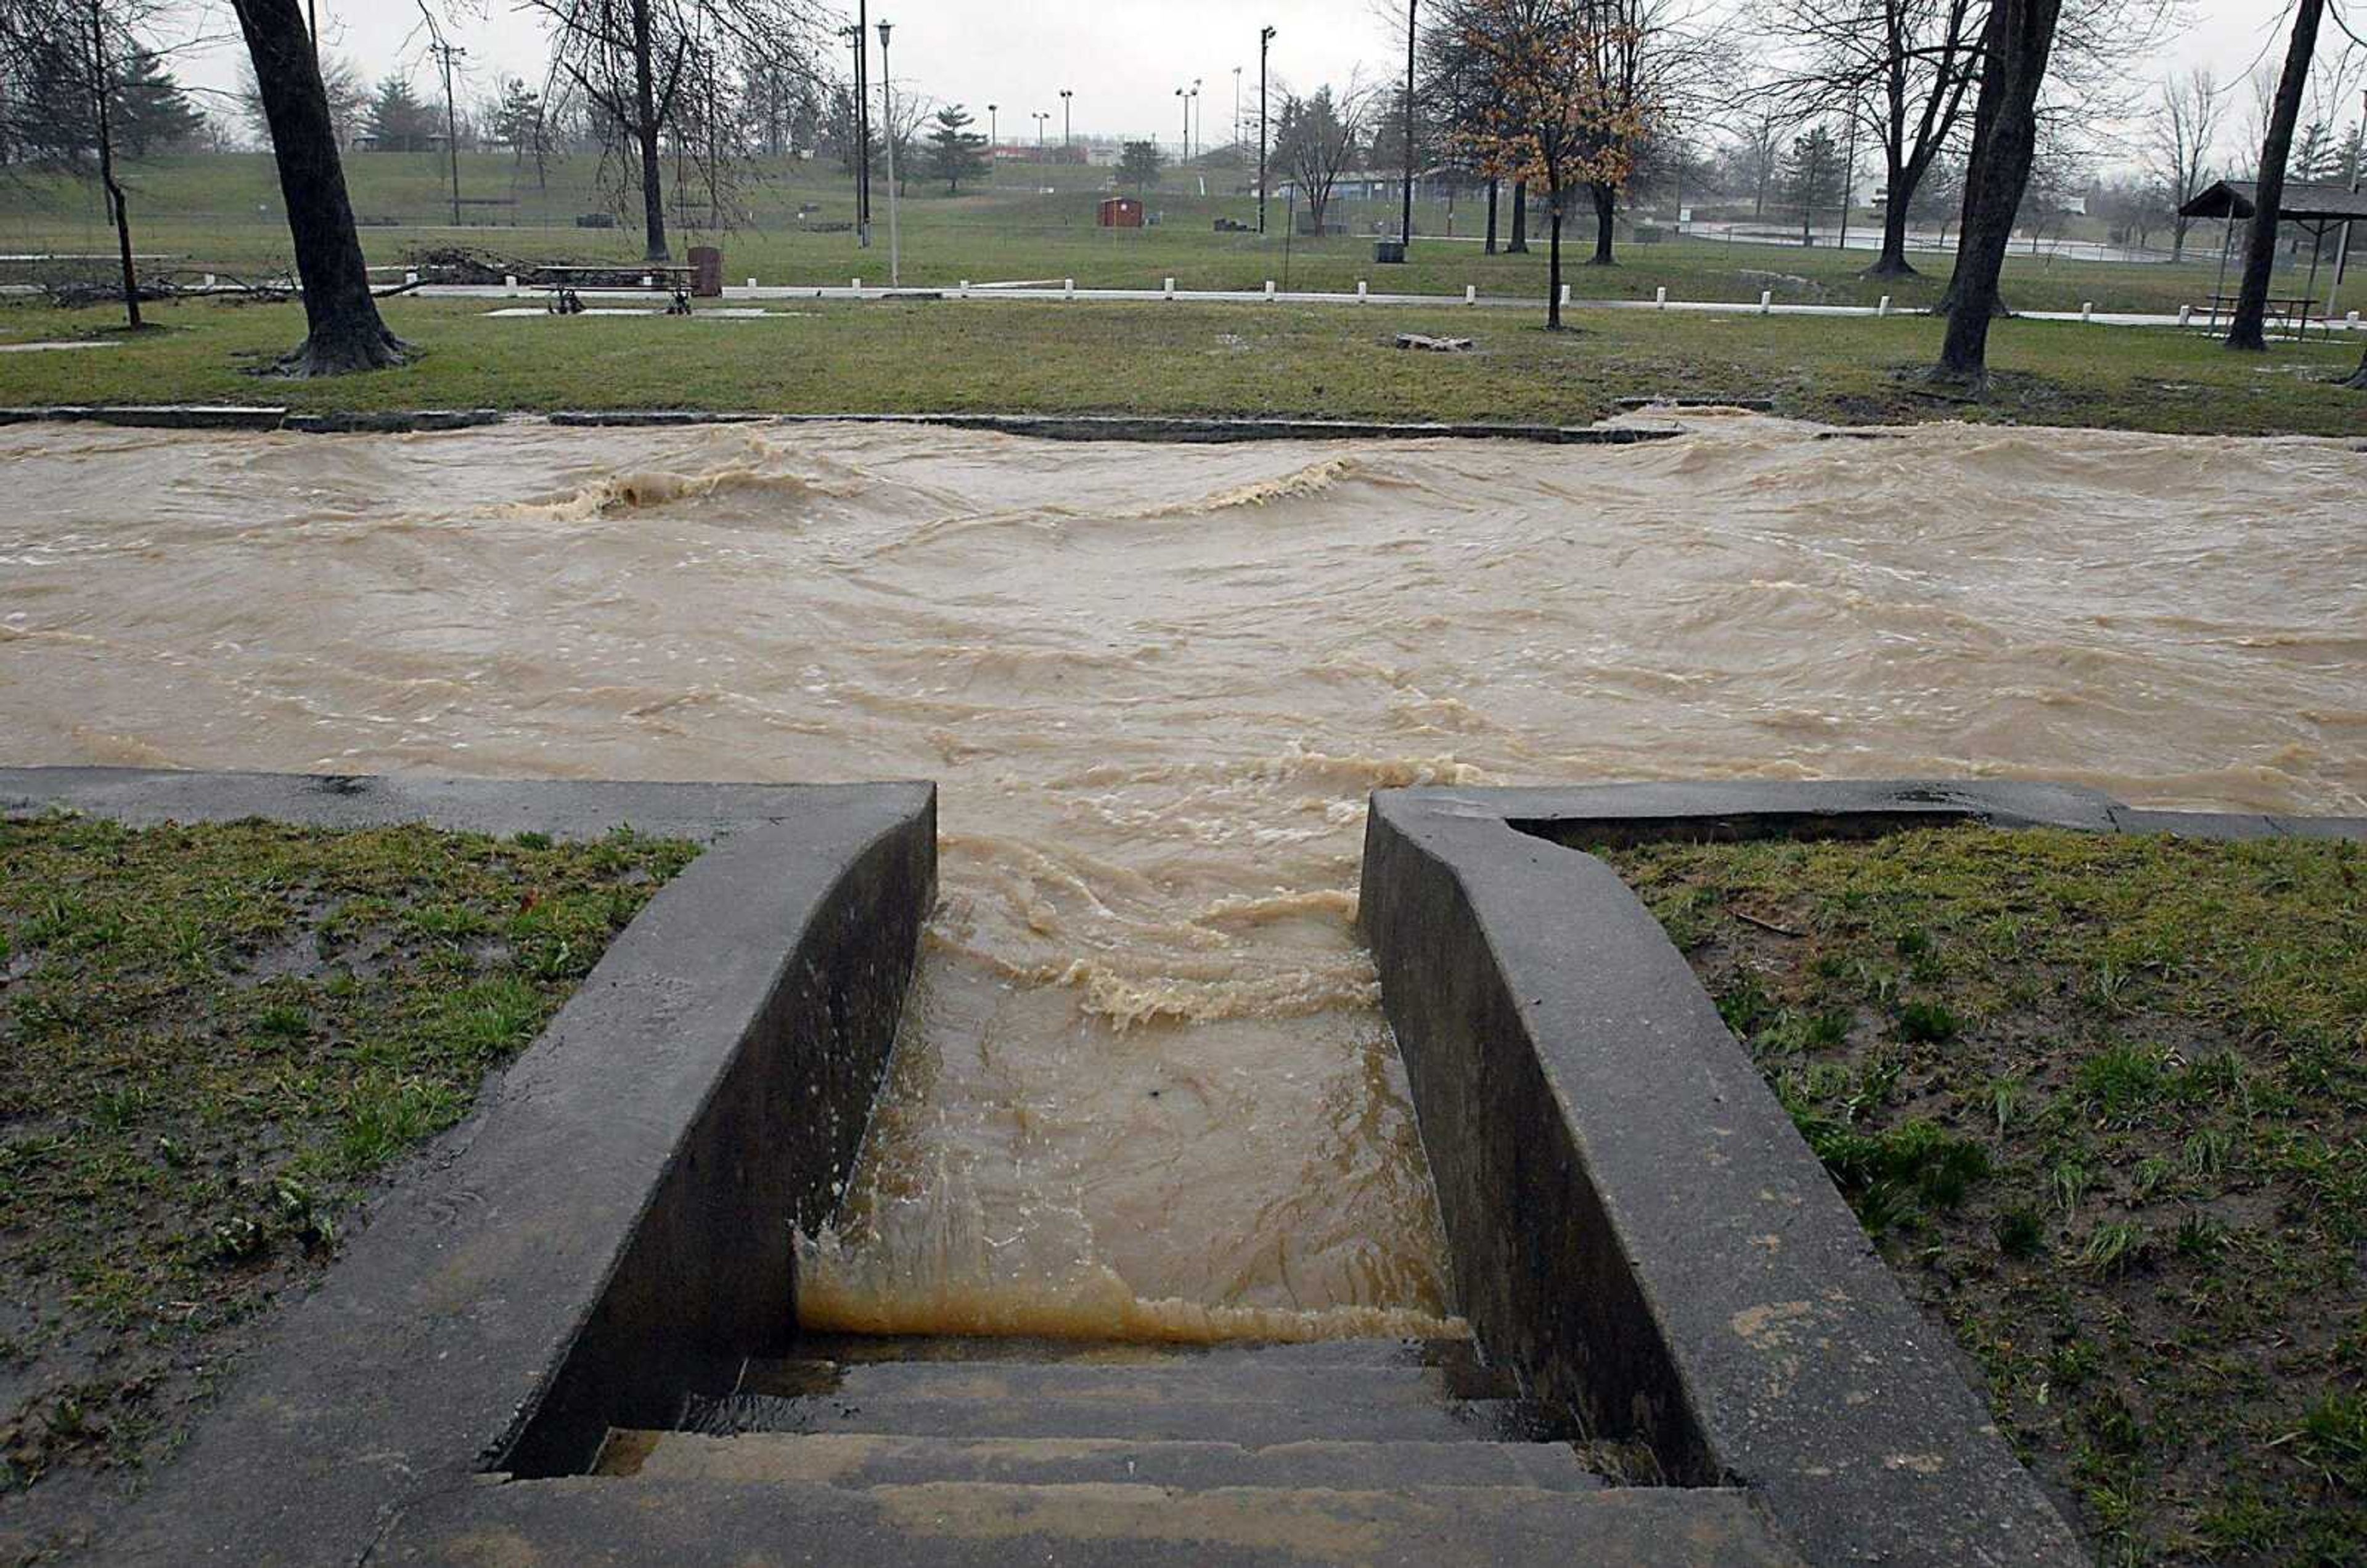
x=1144, y=1087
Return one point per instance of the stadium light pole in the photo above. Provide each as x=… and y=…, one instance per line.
x=1041, y=116
x=1065, y=95
x=1265, y=37
x=1237, y=111
x=887, y=113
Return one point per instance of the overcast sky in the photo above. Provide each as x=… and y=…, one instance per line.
x=1122, y=59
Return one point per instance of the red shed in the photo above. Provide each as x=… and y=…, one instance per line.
x=1121, y=212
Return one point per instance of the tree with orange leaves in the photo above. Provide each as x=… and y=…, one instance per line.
x=1569, y=110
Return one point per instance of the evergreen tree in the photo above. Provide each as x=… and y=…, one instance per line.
x=1812, y=177
x=955, y=152
x=151, y=113
x=399, y=122
x=1138, y=165
x=517, y=118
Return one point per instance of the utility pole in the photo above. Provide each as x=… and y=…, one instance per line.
x=1236, y=112
x=447, y=53
x=1196, y=122
x=1040, y=116
x=862, y=126
x=888, y=114
x=1265, y=37
x=993, y=137
x=1065, y=95
x=1185, y=99
x=1848, y=178
x=1405, y=219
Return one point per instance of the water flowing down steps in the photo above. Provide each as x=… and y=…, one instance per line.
x=973, y=1450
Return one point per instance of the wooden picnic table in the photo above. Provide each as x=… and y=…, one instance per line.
x=2290, y=311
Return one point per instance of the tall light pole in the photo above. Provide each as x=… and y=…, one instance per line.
x=853, y=36
x=1041, y=116
x=1265, y=37
x=1195, y=107
x=1237, y=111
x=1065, y=95
x=993, y=137
x=888, y=114
x=1185, y=98
x=1405, y=217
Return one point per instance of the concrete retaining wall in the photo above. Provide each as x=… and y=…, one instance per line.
x=1634, y=1221
x=615, y=1217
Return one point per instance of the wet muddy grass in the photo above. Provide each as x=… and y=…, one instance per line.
x=986, y=356
x=2103, y=1103
x=214, y=1038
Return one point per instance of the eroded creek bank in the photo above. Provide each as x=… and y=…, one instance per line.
x=1144, y=1087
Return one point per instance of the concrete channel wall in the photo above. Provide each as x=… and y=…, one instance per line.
x=1634, y=1222
x=614, y=1219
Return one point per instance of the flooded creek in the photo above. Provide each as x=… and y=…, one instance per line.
x=1144, y=1086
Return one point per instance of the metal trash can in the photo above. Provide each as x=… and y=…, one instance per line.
x=706, y=272
x=1389, y=251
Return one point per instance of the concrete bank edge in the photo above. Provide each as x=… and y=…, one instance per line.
x=608, y=1222
x=1050, y=427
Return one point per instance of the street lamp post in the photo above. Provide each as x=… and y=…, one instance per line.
x=1065, y=95
x=1195, y=107
x=993, y=137
x=1405, y=219
x=853, y=35
x=1041, y=116
x=1184, y=99
x=1237, y=113
x=888, y=114
x=1265, y=37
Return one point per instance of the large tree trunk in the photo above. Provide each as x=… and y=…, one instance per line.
x=1891, y=261
x=2020, y=35
x=2357, y=379
x=1519, y=246
x=1491, y=218
x=344, y=332
x=2246, y=329
x=1552, y=262
x=1606, y=204
x=645, y=105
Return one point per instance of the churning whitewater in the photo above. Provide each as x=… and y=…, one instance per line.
x=1143, y=1086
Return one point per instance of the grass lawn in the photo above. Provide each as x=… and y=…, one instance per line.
x=1013, y=356
x=214, y=1038
x=2102, y=1102
x=222, y=213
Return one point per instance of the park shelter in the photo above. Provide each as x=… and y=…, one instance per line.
x=1121, y=212
x=2317, y=206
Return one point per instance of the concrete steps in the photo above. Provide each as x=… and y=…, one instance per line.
x=940, y=1453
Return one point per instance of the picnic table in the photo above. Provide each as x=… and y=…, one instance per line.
x=2290, y=312
x=565, y=281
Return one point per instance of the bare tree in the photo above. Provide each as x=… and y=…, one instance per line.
x=646, y=66
x=2015, y=45
x=2178, y=137
x=1315, y=137
x=1902, y=70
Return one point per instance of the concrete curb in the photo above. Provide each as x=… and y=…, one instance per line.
x=1634, y=1221
x=613, y=1223
x=1048, y=427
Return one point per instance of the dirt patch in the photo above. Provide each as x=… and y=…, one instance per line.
x=215, y=1039
x=2103, y=1103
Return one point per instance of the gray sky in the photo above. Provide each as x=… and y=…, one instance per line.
x=1123, y=59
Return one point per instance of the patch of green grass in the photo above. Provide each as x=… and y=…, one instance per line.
x=2129, y=1171
x=210, y=1039
x=984, y=355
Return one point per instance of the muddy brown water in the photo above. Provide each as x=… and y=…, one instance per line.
x=1144, y=1087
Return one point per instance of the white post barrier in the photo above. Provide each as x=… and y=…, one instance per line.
x=1883, y=309
x=1661, y=297
x=1565, y=296
x=751, y=285
x=509, y=282
x=1269, y=288
x=2186, y=315
x=1471, y=294
x=859, y=285
x=648, y=281
x=2087, y=310
x=1360, y=291
x=1067, y=288
x=210, y=280
x=1766, y=302
x=962, y=292
x=1170, y=288
x=409, y=277
x=2350, y=322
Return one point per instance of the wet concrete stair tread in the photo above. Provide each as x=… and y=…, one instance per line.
x=1409, y=1395
x=860, y=1459
x=700, y=1522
